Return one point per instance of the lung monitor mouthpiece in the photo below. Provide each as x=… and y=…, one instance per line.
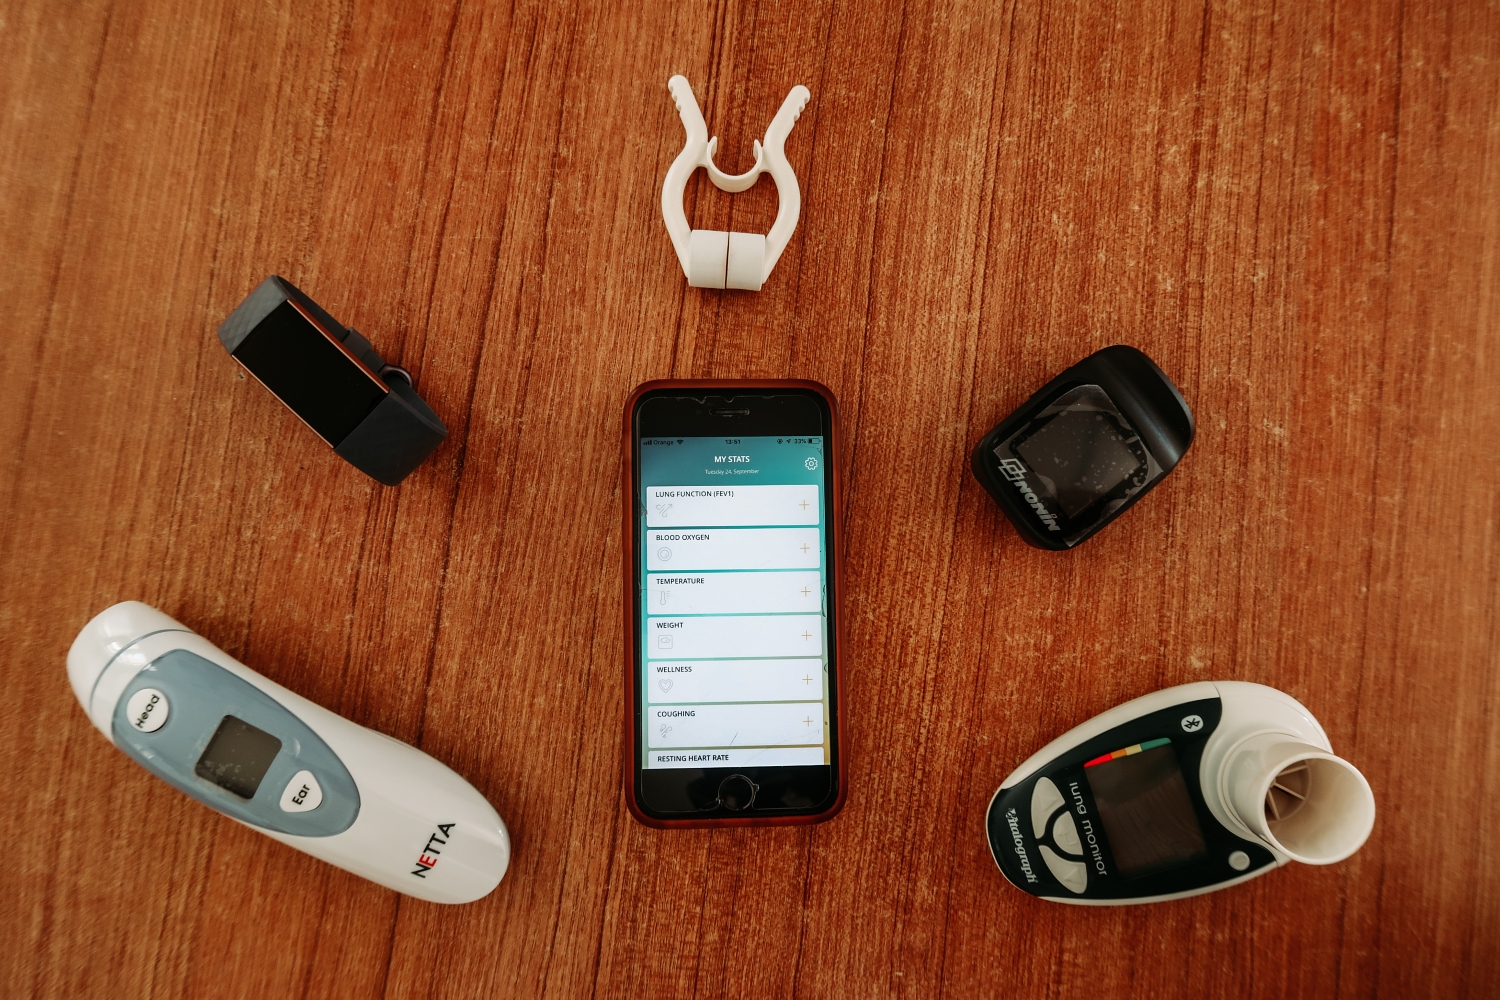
x=712, y=259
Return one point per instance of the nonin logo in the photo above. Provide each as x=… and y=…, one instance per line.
x=1016, y=473
x=429, y=855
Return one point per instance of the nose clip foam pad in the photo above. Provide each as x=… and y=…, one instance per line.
x=713, y=259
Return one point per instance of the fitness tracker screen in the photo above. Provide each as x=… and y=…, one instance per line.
x=237, y=757
x=310, y=372
x=1144, y=804
x=733, y=613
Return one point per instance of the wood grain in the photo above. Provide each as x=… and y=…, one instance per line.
x=1293, y=208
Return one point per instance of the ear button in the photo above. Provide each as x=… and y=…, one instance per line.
x=302, y=794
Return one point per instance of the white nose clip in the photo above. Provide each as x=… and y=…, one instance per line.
x=713, y=259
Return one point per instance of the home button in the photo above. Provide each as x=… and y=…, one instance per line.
x=737, y=792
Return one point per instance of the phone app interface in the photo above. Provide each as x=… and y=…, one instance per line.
x=734, y=617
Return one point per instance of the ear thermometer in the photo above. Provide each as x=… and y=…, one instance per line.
x=210, y=726
x=1185, y=791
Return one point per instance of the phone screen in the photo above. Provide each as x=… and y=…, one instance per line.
x=733, y=580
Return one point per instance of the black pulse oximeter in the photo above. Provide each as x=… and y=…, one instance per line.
x=1092, y=442
x=333, y=380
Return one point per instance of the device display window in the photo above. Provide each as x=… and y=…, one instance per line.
x=311, y=373
x=238, y=756
x=734, y=622
x=1078, y=460
x=1144, y=804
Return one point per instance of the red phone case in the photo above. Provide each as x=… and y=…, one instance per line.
x=627, y=547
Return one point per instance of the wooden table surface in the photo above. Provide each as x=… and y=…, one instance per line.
x=1294, y=208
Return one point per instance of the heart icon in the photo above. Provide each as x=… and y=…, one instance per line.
x=665, y=684
x=665, y=730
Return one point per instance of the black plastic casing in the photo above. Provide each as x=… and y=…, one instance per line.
x=1144, y=396
x=374, y=421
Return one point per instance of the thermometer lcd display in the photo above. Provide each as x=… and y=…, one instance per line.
x=1144, y=804
x=238, y=757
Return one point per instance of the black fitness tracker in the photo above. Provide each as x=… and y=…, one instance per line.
x=330, y=377
x=1092, y=442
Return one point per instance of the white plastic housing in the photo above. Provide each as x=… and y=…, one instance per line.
x=404, y=794
x=1261, y=732
x=1333, y=809
x=708, y=258
x=715, y=259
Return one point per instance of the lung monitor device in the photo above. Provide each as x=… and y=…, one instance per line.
x=211, y=727
x=1187, y=790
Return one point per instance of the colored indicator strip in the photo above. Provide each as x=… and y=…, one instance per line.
x=1148, y=745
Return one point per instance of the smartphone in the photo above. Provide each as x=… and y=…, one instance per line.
x=732, y=557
